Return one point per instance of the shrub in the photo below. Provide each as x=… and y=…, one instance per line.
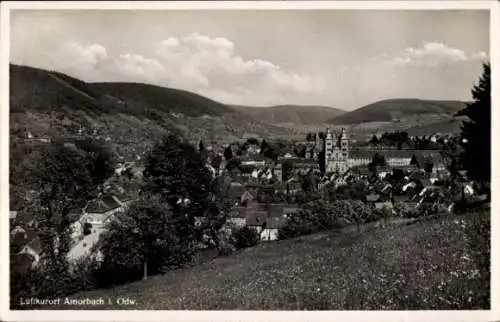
x=50, y=280
x=245, y=237
x=403, y=210
x=225, y=248
x=318, y=215
x=87, y=229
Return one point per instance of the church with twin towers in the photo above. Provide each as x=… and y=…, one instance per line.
x=336, y=148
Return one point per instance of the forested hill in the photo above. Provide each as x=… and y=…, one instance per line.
x=388, y=110
x=47, y=103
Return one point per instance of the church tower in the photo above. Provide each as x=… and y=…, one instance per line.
x=344, y=151
x=329, y=147
x=336, y=152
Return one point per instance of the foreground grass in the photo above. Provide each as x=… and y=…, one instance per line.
x=435, y=264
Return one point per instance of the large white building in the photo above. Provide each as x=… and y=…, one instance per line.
x=339, y=157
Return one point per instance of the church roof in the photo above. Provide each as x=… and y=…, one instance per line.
x=389, y=154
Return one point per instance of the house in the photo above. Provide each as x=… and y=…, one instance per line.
x=387, y=188
x=34, y=249
x=272, y=227
x=361, y=170
x=246, y=197
x=235, y=190
x=266, y=222
x=256, y=221
x=290, y=209
x=255, y=160
x=101, y=211
x=237, y=217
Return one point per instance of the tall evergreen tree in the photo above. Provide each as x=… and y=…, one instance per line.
x=476, y=135
x=201, y=147
x=374, y=140
x=228, y=153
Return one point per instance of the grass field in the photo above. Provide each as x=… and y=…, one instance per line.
x=434, y=264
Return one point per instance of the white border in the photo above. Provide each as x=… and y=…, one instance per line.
x=288, y=316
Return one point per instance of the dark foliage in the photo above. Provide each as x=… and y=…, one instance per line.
x=175, y=170
x=144, y=240
x=87, y=228
x=245, y=237
x=286, y=168
x=477, y=130
x=101, y=162
x=253, y=141
x=228, y=153
x=319, y=215
x=374, y=140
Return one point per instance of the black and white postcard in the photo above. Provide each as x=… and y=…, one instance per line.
x=230, y=161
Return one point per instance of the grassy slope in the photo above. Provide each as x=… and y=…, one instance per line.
x=451, y=125
x=295, y=114
x=386, y=110
x=436, y=264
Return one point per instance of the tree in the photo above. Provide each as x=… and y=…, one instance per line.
x=286, y=168
x=175, y=170
x=252, y=141
x=374, y=140
x=201, y=147
x=245, y=237
x=264, y=146
x=216, y=161
x=101, y=162
x=63, y=180
x=144, y=240
x=211, y=224
x=228, y=153
x=87, y=228
x=378, y=160
x=476, y=136
x=300, y=151
x=321, y=160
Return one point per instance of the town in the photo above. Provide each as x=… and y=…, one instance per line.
x=264, y=189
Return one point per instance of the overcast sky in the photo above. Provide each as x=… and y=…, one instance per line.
x=342, y=59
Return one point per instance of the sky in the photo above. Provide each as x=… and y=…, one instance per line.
x=338, y=58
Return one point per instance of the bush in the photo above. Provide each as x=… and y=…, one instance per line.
x=245, y=237
x=49, y=280
x=318, y=216
x=403, y=210
x=87, y=229
x=225, y=248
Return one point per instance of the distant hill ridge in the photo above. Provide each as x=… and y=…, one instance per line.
x=47, y=103
x=297, y=114
x=391, y=109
